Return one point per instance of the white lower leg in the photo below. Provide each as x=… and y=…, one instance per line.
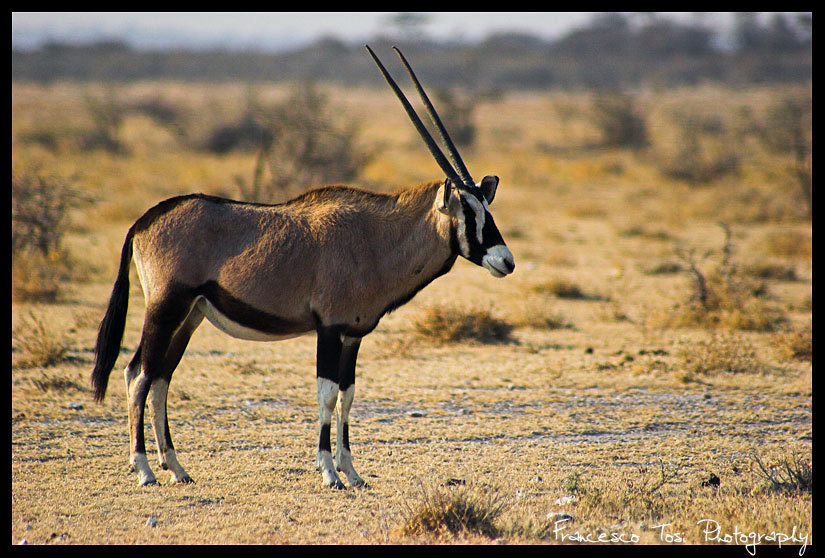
x=327, y=392
x=166, y=455
x=141, y=466
x=135, y=385
x=343, y=456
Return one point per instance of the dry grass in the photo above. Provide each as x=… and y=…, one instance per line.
x=795, y=344
x=721, y=354
x=791, y=472
x=41, y=346
x=566, y=407
x=446, y=324
x=456, y=509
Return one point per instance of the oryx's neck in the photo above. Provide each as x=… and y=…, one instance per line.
x=413, y=240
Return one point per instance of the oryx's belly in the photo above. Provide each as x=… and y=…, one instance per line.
x=235, y=327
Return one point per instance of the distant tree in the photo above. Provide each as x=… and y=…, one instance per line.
x=409, y=25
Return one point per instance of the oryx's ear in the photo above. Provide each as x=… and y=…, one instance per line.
x=488, y=187
x=443, y=201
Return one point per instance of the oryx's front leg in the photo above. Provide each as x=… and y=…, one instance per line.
x=346, y=394
x=327, y=362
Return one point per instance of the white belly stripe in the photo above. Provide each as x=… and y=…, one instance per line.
x=235, y=329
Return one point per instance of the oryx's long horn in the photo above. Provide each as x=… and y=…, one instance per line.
x=422, y=130
x=452, y=152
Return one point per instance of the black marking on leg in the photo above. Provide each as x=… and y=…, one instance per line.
x=167, y=434
x=140, y=441
x=345, y=435
x=323, y=440
x=328, y=354
x=134, y=364
x=346, y=365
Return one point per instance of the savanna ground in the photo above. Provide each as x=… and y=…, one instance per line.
x=646, y=367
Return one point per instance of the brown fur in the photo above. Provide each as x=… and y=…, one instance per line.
x=340, y=255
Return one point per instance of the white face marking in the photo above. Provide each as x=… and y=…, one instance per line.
x=480, y=213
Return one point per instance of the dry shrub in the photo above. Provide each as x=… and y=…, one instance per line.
x=795, y=344
x=37, y=277
x=790, y=472
x=620, y=120
x=725, y=296
x=456, y=324
x=537, y=314
x=721, y=354
x=40, y=345
x=456, y=510
x=637, y=495
x=39, y=220
x=303, y=142
x=789, y=244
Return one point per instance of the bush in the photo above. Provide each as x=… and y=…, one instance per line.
x=41, y=347
x=788, y=473
x=39, y=220
x=722, y=354
x=303, y=143
x=705, y=153
x=454, y=510
x=454, y=325
x=725, y=296
x=620, y=121
x=797, y=345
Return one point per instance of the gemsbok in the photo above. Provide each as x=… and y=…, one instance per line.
x=333, y=260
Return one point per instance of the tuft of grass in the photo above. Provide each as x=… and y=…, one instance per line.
x=789, y=244
x=637, y=495
x=789, y=473
x=40, y=345
x=457, y=509
x=51, y=383
x=561, y=288
x=721, y=354
x=774, y=271
x=537, y=314
x=795, y=344
x=39, y=277
x=455, y=324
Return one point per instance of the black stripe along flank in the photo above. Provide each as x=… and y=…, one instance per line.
x=247, y=315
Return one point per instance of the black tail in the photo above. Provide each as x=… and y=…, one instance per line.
x=110, y=333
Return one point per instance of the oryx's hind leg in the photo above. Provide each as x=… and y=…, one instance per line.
x=164, y=320
x=160, y=388
x=346, y=394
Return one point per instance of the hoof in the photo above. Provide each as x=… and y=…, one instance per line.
x=185, y=480
x=336, y=484
x=150, y=482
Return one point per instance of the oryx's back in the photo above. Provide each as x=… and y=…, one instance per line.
x=197, y=240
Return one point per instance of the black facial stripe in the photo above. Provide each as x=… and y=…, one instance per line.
x=477, y=251
x=490, y=234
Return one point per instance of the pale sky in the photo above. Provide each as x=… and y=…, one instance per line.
x=270, y=29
